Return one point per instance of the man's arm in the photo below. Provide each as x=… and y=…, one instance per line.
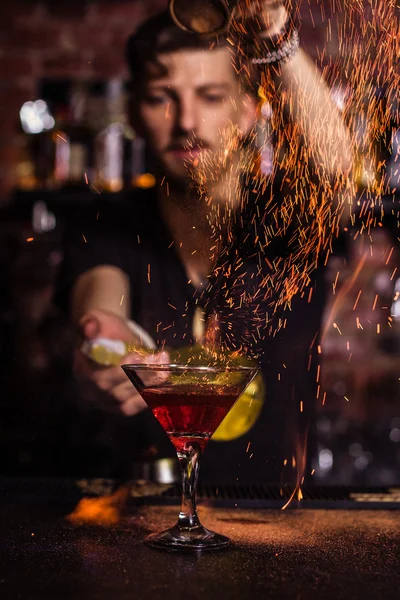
x=94, y=273
x=303, y=94
x=100, y=309
x=309, y=103
x=104, y=287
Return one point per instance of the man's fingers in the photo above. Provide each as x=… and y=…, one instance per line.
x=161, y=358
x=131, y=407
x=125, y=391
x=158, y=358
x=115, y=392
x=136, y=358
x=110, y=377
x=130, y=401
x=107, y=379
x=154, y=376
x=90, y=327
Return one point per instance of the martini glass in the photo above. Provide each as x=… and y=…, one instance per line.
x=189, y=402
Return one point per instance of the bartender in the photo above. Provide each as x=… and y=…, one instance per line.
x=139, y=273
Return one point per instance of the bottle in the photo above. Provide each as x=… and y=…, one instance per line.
x=139, y=175
x=113, y=140
x=63, y=154
x=49, y=150
x=372, y=129
x=79, y=138
x=393, y=169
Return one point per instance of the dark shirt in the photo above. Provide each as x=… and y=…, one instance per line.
x=133, y=237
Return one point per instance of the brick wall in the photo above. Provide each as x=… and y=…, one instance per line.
x=57, y=38
x=74, y=38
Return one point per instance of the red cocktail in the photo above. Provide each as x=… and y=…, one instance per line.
x=189, y=413
x=189, y=402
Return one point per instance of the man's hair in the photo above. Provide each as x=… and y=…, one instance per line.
x=161, y=35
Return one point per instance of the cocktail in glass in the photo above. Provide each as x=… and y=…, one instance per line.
x=189, y=402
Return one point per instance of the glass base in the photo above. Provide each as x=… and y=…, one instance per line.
x=197, y=538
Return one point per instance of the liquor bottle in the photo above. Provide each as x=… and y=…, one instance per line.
x=120, y=155
x=372, y=126
x=111, y=139
x=394, y=162
x=79, y=138
x=393, y=169
x=63, y=154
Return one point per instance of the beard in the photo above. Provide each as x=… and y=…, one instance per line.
x=218, y=174
x=212, y=171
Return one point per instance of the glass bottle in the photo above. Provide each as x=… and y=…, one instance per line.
x=112, y=140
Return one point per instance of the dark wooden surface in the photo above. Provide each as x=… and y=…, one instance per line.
x=274, y=554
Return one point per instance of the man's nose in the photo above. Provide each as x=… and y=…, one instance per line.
x=186, y=116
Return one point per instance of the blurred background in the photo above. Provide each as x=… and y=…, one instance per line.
x=65, y=139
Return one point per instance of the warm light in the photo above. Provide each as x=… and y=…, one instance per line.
x=100, y=511
x=144, y=181
x=114, y=185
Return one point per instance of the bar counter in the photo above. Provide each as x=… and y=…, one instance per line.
x=295, y=553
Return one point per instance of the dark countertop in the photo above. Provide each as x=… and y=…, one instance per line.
x=275, y=554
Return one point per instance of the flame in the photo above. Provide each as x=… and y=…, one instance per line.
x=106, y=510
x=299, y=460
x=340, y=297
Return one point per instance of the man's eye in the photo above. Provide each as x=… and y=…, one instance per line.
x=214, y=98
x=156, y=100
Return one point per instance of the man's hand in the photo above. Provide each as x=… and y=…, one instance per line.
x=108, y=388
x=262, y=18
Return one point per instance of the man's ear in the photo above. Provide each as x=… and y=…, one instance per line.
x=248, y=113
x=133, y=114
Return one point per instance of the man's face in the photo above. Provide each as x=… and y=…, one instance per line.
x=189, y=115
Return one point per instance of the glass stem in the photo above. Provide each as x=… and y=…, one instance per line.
x=189, y=462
